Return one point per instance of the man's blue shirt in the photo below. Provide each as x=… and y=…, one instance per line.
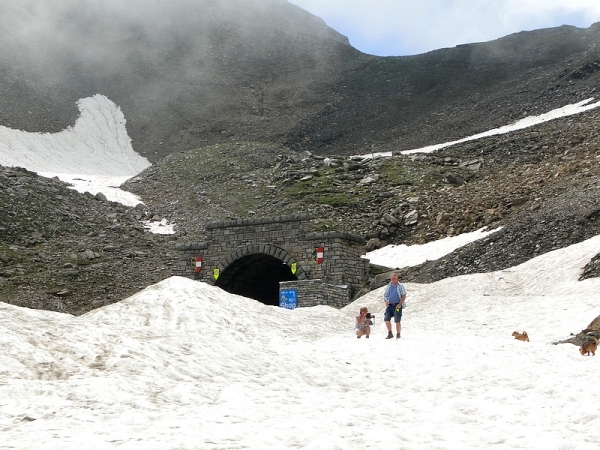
x=393, y=293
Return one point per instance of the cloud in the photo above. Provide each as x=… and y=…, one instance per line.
x=402, y=27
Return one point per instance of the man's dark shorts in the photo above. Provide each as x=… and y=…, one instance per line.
x=391, y=311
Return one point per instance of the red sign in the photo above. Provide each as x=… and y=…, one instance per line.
x=319, y=255
x=198, y=263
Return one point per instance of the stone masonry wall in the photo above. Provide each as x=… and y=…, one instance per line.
x=317, y=292
x=289, y=239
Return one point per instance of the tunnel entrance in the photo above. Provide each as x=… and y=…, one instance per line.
x=256, y=276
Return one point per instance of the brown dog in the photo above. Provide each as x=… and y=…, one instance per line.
x=589, y=346
x=521, y=336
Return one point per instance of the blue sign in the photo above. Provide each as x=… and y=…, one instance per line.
x=288, y=298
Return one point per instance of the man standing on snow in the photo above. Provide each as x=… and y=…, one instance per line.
x=394, y=297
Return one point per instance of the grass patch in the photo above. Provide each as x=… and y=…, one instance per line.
x=336, y=200
x=404, y=172
x=323, y=192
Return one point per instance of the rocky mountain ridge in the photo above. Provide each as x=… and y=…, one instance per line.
x=540, y=184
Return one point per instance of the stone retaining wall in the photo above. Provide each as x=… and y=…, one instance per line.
x=317, y=292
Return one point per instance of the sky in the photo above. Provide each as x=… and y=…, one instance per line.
x=406, y=27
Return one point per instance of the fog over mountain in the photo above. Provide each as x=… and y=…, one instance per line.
x=183, y=71
x=189, y=73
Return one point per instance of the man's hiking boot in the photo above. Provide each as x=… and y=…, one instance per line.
x=398, y=336
x=390, y=335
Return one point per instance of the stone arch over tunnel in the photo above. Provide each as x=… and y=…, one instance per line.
x=257, y=275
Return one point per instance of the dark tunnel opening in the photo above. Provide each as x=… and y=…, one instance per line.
x=256, y=276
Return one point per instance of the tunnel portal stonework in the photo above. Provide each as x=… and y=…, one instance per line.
x=246, y=250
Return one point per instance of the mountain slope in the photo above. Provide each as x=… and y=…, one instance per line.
x=444, y=95
x=61, y=250
x=541, y=184
x=191, y=73
x=252, y=108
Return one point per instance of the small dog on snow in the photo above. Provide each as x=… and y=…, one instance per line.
x=589, y=346
x=521, y=336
